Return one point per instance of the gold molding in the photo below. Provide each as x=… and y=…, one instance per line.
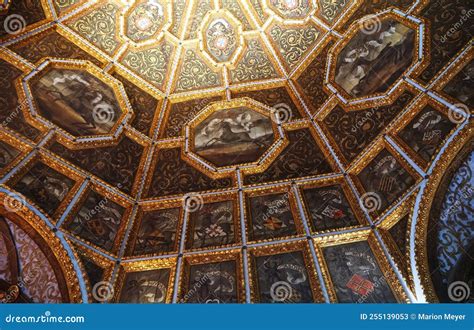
x=352, y=237
x=427, y=198
x=25, y=219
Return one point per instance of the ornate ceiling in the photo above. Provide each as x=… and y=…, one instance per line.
x=231, y=151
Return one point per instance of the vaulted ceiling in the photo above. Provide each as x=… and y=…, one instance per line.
x=232, y=151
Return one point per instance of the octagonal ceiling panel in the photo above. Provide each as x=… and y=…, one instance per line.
x=235, y=133
x=374, y=57
x=385, y=54
x=77, y=98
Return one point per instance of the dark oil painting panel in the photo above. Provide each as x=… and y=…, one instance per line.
x=425, y=133
x=212, y=283
x=387, y=178
x=460, y=87
x=157, y=232
x=233, y=136
x=149, y=286
x=355, y=274
x=97, y=221
x=328, y=208
x=76, y=101
x=271, y=217
x=283, y=278
x=373, y=60
x=45, y=187
x=212, y=225
x=7, y=154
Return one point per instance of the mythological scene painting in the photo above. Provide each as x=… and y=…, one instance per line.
x=150, y=286
x=374, y=59
x=233, y=136
x=76, y=101
x=356, y=275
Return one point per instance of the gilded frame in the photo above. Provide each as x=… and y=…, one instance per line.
x=281, y=248
x=427, y=197
x=208, y=258
x=353, y=203
x=138, y=266
x=107, y=195
x=269, y=191
x=393, y=91
x=47, y=160
x=364, y=235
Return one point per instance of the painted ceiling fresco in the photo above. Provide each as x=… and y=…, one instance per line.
x=224, y=151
